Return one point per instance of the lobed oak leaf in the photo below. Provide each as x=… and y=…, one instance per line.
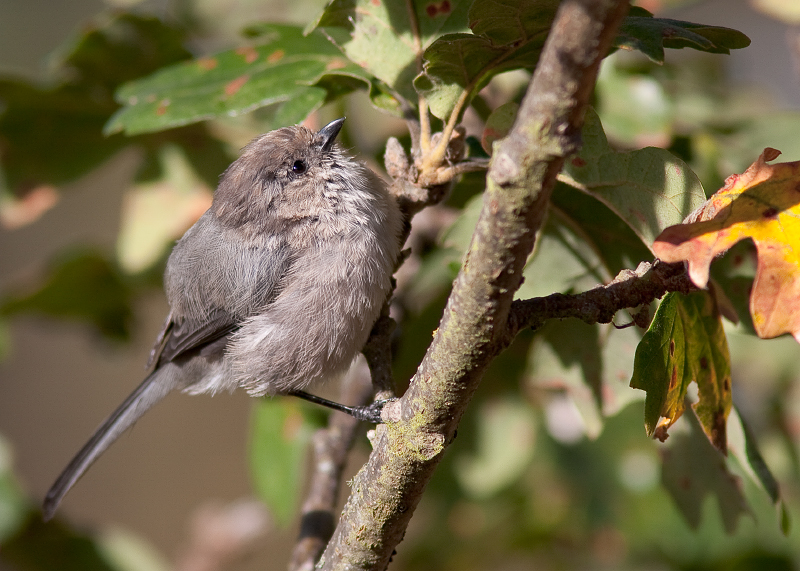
x=763, y=204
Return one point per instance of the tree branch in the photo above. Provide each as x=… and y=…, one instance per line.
x=630, y=288
x=474, y=325
x=331, y=446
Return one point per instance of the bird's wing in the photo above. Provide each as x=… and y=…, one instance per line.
x=180, y=336
x=216, y=279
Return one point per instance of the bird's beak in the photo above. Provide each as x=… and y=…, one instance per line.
x=327, y=135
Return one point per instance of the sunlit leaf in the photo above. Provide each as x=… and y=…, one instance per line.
x=685, y=344
x=283, y=67
x=155, y=214
x=380, y=36
x=763, y=204
x=789, y=12
x=615, y=243
x=650, y=189
x=507, y=34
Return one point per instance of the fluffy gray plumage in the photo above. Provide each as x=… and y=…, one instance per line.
x=275, y=288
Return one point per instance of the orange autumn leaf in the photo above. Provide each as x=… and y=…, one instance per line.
x=763, y=203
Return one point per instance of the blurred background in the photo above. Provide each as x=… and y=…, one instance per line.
x=532, y=483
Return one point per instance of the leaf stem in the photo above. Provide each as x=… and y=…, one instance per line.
x=424, y=118
x=434, y=159
x=424, y=127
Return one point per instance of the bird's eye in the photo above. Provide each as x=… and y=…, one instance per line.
x=299, y=167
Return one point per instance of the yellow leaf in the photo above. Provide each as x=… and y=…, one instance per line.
x=763, y=203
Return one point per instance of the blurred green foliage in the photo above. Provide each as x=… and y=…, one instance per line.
x=552, y=467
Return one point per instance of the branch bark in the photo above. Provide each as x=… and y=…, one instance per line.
x=631, y=288
x=473, y=329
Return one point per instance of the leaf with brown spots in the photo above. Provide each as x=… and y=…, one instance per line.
x=762, y=204
x=293, y=72
x=685, y=343
x=379, y=35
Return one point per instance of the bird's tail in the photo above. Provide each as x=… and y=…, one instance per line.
x=154, y=388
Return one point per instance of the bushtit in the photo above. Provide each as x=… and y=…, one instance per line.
x=277, y=285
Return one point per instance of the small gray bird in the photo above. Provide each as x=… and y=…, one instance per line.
x=275, y=288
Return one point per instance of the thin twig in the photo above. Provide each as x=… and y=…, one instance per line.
x=424, y=118
x=631, y=288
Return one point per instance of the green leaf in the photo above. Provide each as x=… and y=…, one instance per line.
x=507, y=34
x=279, y=438
x=34, y=125
x=745, y=137
x=650, y=189
x=567, y=357
x=640, y=31
x=744, y=446
x=36, y=121
x=587, y=361
x=283, y=68
x=297, y=109
x=636, y=109
x=562, y=262
x=693, y=470
x=83, y=286
x=592, y=363
x=615, y=243
x=583, y=244
x=499, y=124
x=158, y=212
x=734, y=272
x=434, y=277
x=685, y=343
x=379, y=36
x=459, y=234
